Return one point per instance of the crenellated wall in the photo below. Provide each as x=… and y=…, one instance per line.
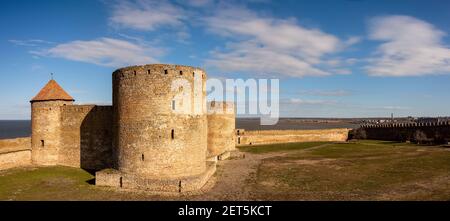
x=257, y=137
x=418, y=132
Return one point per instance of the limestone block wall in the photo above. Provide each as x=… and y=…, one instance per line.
x=257, y=137
x=221, y=128
x=15, y=152
x=160, y=127
x=86, y=136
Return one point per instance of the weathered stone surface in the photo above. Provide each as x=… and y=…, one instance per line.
x=257, y=137
x=86, y=136
x=46, y=131
x=221, y=128
x=160, y=130
x=15, y=152
x=116, y=178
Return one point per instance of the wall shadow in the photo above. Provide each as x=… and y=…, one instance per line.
x=96, y=139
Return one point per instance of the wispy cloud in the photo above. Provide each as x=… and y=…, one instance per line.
x=198, y=3
x=29, y=42
x=105, y=52
x=266, y=45
x=412, y=48
x=146, y=15
x=328, y=93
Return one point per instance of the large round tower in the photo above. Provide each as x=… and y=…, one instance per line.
x=160, y=120
x=46, y=122
x=221, y=127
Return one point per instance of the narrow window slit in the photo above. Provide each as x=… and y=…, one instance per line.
x=172, y=134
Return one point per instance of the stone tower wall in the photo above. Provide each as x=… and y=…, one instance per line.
x=221, y=128
x=46, y=131
x=160, y=128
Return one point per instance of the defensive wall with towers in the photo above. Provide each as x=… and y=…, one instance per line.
x=160, y=134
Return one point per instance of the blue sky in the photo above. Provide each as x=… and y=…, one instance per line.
x=354, y=58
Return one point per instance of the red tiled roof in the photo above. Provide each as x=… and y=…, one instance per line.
x=52, y=91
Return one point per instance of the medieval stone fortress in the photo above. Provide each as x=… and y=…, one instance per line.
x=156, y=135
x=151, y=138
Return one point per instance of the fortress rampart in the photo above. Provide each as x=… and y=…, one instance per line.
x=15, y=152
x=86, y=136
x=438, y=132
x=258, y=137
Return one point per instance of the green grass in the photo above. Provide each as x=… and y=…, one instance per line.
x=40, y=183
x=259, y=149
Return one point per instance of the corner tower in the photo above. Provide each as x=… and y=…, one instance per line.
x=160, y=121
x=46, y=123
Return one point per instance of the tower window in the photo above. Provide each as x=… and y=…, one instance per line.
x=134, y=73
x=193, y=74
x=120, y=182
x=165, y=71
x=172, y=134
x=148, y=71
x=239, y=140
x=142, y=157
x=181, y=72
x=42, y=143
x=173, y=104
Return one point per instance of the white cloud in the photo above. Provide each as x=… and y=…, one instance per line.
x=311, y=102
x=146, y=15
x=105, y=52
x=266, y=45
x=198, y=3
x=352, y=40
x=412, y=48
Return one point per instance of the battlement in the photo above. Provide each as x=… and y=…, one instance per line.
x=163, y=70
x=397, y=125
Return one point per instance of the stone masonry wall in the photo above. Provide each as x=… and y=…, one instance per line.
x=221, y=128
x=86, y=136
x=258, y=137
x=15, y=152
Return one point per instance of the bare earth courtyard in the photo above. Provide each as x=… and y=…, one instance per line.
x=362, y=170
